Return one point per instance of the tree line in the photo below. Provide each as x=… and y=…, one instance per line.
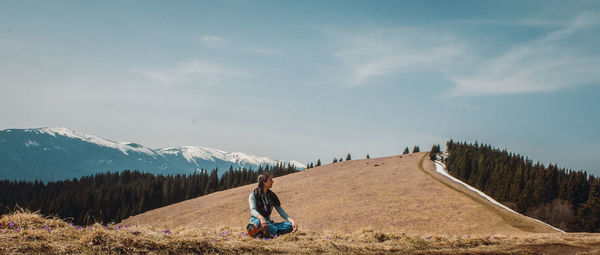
x=114, y=196
x=561, y=197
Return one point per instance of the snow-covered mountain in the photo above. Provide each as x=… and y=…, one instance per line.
x=50, y=154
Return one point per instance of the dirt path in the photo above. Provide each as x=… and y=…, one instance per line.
x=515, y=220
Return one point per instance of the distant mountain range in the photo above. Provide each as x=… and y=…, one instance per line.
x=50, y=154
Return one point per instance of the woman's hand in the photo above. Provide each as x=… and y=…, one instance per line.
x=294, y=226
x=263, y=223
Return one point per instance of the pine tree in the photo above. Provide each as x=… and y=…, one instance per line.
x=435, y=149
x=318, y=162
x=335, y=160
x=416, y=149
x=368, y=156
x=406, y=151
x=348, y=157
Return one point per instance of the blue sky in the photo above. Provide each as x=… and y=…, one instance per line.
x=305, y=80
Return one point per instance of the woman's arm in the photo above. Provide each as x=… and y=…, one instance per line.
x=286, y=217
x=281, y=212
x=253, y=210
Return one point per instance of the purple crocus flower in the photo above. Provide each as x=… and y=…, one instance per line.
x=126, y=226
x=49, y=229
x=11, y=224
x=78, y=228
x=17, y=229
x=118, y=227
x=44, y=227
x=167, y=231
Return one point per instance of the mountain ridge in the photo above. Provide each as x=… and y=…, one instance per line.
x=42, y=153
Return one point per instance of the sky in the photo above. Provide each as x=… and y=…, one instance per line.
x=308, y=80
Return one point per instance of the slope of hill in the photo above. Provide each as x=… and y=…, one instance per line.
x=51, y=154
x=399, y=193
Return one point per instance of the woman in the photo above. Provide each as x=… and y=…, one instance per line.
x=262, y=200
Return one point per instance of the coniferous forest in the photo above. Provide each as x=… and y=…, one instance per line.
x=112, y=197
x=561, y=197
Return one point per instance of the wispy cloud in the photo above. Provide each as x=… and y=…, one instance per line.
x=566, y=56
x=222, y=43
x=561, y=58
x=213, y=41
x=394, y=51
x=197, y=71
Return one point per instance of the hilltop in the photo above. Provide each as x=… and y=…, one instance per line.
x=398, y=193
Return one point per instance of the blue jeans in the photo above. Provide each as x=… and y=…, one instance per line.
x=279, y=228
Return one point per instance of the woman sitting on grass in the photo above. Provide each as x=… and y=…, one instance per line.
x=262, y=200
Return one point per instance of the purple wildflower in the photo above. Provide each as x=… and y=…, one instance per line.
x=17, y=229
x=78, y=228
x=244, y=234
x=213, y=241
x=118, y=227
x=49, y=229
x=126, y=226
x=167, y=231
x=11, y=224
x=70, y=224
x=44, y=227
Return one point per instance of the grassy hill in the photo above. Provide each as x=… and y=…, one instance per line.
x=399, y=193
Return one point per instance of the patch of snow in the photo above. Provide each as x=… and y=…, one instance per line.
x=31, y=144
x=440, y=167
x=125, y=148
x=192, y=153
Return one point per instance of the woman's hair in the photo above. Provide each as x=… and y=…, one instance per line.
x=262, y=178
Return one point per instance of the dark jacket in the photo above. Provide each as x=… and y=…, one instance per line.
x=265, y=206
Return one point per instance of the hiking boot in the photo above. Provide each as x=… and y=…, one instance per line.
x=253, y=229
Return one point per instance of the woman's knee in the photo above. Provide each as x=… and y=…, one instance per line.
x=255, y=221
x=272, y=229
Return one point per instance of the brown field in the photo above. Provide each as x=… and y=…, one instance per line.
x=399, y=193
x=393, y=205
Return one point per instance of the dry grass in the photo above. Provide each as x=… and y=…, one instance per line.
x=32, y=233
